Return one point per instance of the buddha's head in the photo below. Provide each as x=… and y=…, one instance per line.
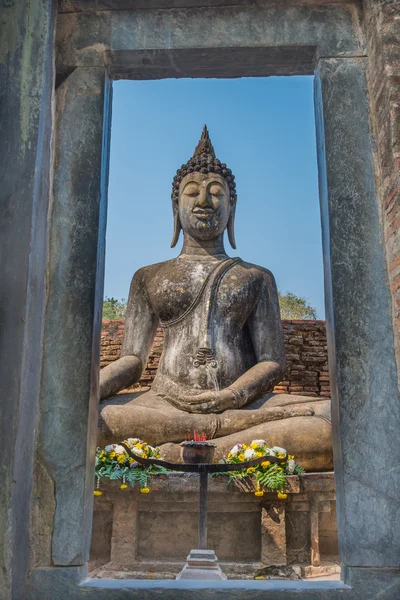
x=204, y=196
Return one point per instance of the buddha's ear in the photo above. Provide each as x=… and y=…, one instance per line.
x=177, y=227
x=231, y=227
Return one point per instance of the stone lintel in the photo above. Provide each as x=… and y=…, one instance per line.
x=288, y=35
x=210, y=62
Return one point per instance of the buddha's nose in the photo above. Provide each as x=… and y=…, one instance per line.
x=204, y=199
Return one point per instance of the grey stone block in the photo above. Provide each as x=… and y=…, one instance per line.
x=26, y=89
x=69, y=394
x=91, y=38
x=365, y=395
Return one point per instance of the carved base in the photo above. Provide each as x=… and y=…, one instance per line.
x=201, y=564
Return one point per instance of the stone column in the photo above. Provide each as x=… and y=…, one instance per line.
x=124, y=530
x=273, y=534
x=69, y=393
x=26, y=97
x=365, y=395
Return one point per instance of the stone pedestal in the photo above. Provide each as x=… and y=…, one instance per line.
x=138, y=534
x=201, y=564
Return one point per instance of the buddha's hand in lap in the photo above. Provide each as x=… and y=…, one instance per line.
x=212, y=401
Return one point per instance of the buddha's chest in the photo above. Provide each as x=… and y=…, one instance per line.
x=178, y=288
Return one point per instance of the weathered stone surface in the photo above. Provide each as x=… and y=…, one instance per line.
x=365, y=396
x=273, y=534
x=26, y=84
x=156, y=531
x=98, y=5
x=369, y=582
x=43, y=507
x=374, y=583
x=61, y=583
x=86, y=39
x=69, y=393
x=304, y=335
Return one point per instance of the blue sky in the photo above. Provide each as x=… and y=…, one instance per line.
x=262, y=128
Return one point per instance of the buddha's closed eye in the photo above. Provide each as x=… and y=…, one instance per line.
x=192, y=190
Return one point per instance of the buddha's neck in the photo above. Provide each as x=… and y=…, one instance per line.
x=203, y=248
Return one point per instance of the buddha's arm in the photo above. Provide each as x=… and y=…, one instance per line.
x=140, y=327
x=265, y=328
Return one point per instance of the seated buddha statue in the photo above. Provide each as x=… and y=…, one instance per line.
x=223, y=341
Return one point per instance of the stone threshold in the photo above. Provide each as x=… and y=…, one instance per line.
x=159, y=570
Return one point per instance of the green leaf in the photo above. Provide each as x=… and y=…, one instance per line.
x=116, y=475
x=298, y=470
x=272, y=479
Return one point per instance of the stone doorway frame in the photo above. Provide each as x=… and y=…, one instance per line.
x=96, y=46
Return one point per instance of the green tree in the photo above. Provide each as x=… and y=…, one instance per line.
x=114, y=309
x=293, y=307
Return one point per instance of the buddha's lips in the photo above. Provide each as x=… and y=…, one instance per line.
x=203, y=212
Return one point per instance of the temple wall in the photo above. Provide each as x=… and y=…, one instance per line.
x=382, y=30
x=306, y=356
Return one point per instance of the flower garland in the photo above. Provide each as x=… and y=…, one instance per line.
x=114, y=463
x=267, y=474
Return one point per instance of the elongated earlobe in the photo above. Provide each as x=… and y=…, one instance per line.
x=177, y=229
x=231, y=228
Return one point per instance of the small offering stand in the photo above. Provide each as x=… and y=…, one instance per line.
x=197, y=456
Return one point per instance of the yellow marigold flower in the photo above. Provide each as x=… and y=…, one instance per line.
x=251, y=470
x=101, y=454
x=145, y=490
x=280, y=455
x=123, y=486
x=279, y=468
x=104, y=459
x=97, y=493
x=259, y=454
x=259, y=493
x=131, y=461
x=113, y=454
x=253, y=445
x=241, y=457
x=265, y=464
x=140, y=446
x=282, y=496
x=121, y=458
x=291, y=457
x=229, y=455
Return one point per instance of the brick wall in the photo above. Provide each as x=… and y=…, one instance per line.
x=382, y=27
x=306, y=354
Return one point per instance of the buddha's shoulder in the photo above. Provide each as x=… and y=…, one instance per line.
x=150, y=271
x=257, y=272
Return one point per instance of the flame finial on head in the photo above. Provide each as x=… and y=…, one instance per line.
x=204, y=146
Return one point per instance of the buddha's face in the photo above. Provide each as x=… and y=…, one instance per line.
x=204, y=205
